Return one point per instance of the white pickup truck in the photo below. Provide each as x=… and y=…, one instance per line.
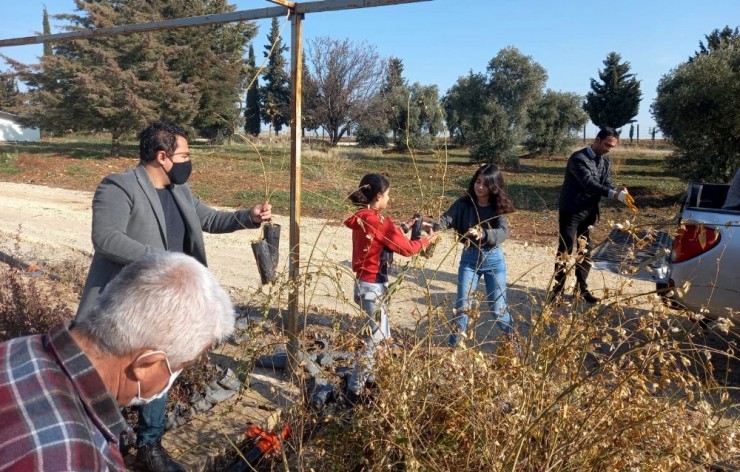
x=698, y=269
x=703, y=273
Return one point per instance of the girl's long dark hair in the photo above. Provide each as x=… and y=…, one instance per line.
x=494, y=180
x=370, y=186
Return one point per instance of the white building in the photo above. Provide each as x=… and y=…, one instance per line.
x=12, y=130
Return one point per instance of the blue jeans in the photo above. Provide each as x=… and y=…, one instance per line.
x=474, y=264
x=151, y=421
x=371, y=298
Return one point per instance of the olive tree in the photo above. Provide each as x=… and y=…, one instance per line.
x=696, y=108
x=554, y=122
x=488, y=111
x=463, y=108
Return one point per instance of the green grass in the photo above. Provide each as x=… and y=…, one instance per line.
x=242, y=173
x=7, y=164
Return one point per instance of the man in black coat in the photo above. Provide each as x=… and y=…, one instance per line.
x=587, y=180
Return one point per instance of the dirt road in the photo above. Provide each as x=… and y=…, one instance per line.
x=53, y=224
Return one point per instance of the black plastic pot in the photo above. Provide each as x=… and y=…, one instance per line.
x=271, y=234
x=416, y=229
x=416, y=234
x=264, y=261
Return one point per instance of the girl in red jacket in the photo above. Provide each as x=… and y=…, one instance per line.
x=374, y=240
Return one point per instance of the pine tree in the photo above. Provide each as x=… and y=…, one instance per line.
x=395, y=96
x=393, y=75
x=252, y=117
x=192, y=76
x=310, y=101
x=211, y=58
x=9, y=93
x=119, y=83
x=47, y=31
x=615, y=100
x=275, y=94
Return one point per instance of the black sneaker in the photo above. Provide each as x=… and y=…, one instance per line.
x=154, y=458
x=588, y=297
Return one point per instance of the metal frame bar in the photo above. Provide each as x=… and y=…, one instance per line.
x=245, y=15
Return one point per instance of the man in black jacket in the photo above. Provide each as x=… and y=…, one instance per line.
x=587, y=179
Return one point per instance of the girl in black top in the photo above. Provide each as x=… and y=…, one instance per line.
x=479, y=220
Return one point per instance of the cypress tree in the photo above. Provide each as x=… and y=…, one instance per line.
x=275, y=94
x=252, y=111
x=47, y=31
x=615, y=100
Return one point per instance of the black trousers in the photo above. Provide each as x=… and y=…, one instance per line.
x=573, y=226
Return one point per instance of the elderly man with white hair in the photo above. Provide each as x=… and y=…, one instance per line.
x=61, y=393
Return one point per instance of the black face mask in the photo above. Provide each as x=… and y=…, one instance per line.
x=180, y=172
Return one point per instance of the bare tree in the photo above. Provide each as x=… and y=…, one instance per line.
x=344, y=78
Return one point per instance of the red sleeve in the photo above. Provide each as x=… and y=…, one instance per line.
x=393, y=238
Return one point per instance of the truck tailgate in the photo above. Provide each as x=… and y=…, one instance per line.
x=640, y=255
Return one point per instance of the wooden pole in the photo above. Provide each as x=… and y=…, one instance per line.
x=296, y=72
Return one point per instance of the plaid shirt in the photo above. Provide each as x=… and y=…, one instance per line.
x=55, y=412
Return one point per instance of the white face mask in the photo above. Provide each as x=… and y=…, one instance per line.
x=137, y=400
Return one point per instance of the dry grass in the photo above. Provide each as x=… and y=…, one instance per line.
x=598, y=388
x=28, y=307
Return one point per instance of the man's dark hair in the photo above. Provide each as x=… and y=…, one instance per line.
x=159, y=136
x=607, y=131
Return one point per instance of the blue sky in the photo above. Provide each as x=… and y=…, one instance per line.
x=441, y=40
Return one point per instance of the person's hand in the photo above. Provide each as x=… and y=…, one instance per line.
x=474, y=233
x=617, y=192
x=428, y=227
x=433, y=237
x=261, y=212
x=624, y=197
x=408, y=224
